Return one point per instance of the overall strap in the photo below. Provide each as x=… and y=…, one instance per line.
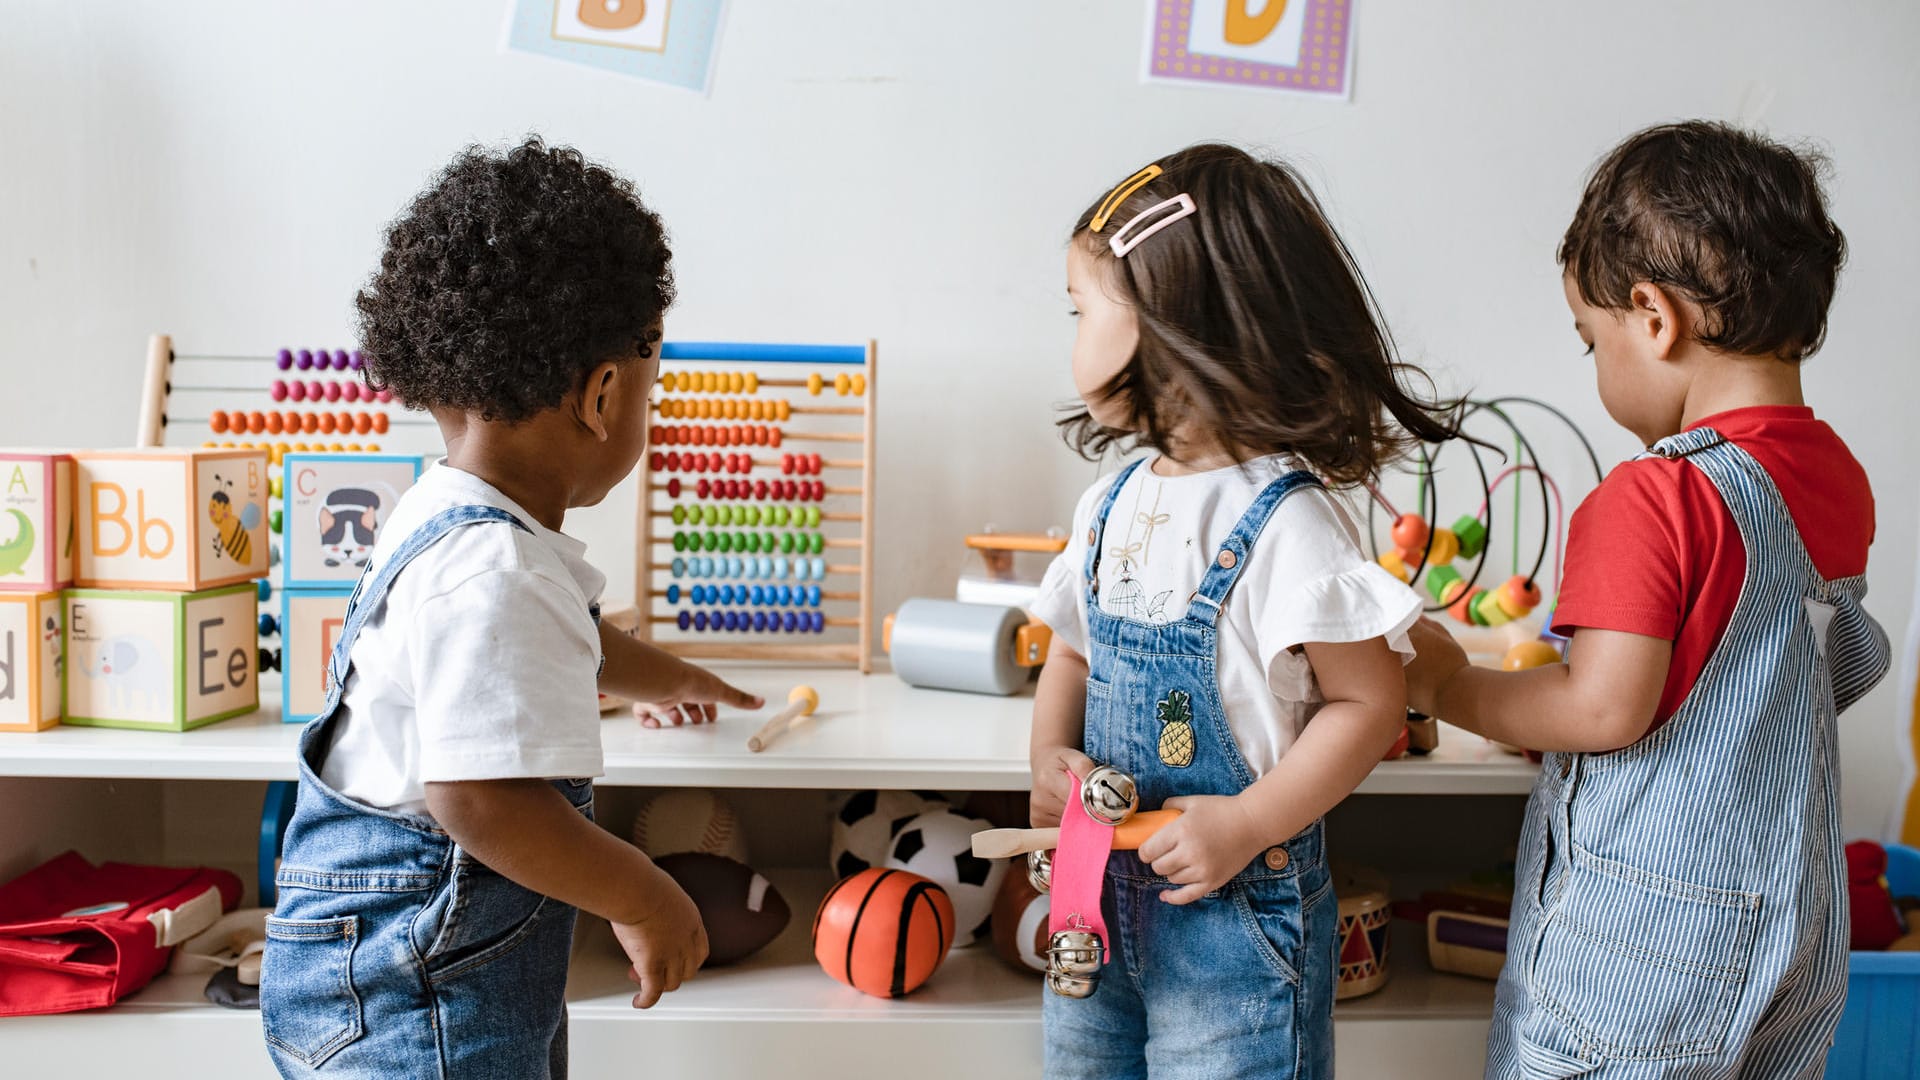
x=1097, y=528
x=374, y=582
x=1231, y=559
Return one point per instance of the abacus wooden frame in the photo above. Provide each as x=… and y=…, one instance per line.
x=858, y=653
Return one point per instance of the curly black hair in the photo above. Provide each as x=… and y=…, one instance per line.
x=509, y=278
x=1727, y=218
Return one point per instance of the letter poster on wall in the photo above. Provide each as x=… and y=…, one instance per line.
x=1293, y=46
x=665, y=41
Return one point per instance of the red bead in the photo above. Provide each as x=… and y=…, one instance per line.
x=297, y=391
x=673, y=462
x=819, y=491
x=813, y=464
x=673, y=488
x=759, y=489
x=333, y=391
x=656, y=461
x=704, y=489
x=316, y=391
x=773, y=436
x=386, y=396
x=786, y=464
x=279, y=390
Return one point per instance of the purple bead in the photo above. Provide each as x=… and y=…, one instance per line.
x=339, y=359
x=788, y=621
x=760, y=621
x=284, y=360
x=699, y=620
x=819, y=622
x=684, y=620
x=356, y=361
x=304, y=360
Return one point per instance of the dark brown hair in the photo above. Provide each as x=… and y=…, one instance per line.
x=1255, y=325
x=1734, y=222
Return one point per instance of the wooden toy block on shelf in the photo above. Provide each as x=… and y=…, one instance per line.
x=163, y=661
x=184, y=520
x=36, y=520
x=32, y=660
x=332, y=508
x=310, y=624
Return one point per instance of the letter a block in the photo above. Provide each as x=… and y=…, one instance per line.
x=186, y=520
x=32, y=660
x=160, y=660
x=37, y=544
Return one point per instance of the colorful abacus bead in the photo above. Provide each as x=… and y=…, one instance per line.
x=1518, y=597
x=815, y=384
x=284, y=359
x=1410, y=536
x=1472, y=534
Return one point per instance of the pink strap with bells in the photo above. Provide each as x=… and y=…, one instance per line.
x=1079, y=870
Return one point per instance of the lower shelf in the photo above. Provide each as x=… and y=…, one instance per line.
x=775, y=1014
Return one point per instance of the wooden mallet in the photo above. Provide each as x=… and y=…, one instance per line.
x=1127, y=836
x=801, y=703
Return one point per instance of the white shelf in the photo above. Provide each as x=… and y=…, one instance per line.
x=975, y=1017
x=871, y=731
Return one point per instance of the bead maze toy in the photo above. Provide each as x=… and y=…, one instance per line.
x=743, y=542
x=1429, y=558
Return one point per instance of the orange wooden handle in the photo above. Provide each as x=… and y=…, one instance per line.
x=1052, y=545
x=1138, y=829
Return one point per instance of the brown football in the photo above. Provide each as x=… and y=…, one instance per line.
x=741, y=910
x=1020, y=923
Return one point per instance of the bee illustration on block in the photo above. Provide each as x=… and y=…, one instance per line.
x=231, y=531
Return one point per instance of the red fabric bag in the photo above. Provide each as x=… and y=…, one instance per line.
x=78, y=936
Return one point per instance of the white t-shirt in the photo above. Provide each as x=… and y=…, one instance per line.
x=1305, y=579
x=483, y=662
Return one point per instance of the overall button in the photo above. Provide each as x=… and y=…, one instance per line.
x=1227, y=559
x=1276, y=858
x=1092, y=538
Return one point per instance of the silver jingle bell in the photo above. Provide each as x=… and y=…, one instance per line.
x=1071, y=986
x=1076, y=953
x=1109, y=795
x=1040, y=871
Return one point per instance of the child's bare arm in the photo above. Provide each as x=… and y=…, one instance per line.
x=1216, y=836
x=527, y=832
x=1059, y=730
x=1602, y=698
x=649, y=674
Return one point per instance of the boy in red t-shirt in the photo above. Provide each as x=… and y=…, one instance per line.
x=1679, y=895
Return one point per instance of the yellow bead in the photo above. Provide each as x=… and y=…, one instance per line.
x=752, y=383
x=373, y=448
x=859, y=385
x=1395, y=565
x=842, y=383
x=734, y=382
x=710, y=381
x=814, y=383
x=1529, y=654
x=1446, y=548
x=1487, y=606
x=1507, y=603
x=783, y=410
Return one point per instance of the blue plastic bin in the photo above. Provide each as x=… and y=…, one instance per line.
x=1879, y=1036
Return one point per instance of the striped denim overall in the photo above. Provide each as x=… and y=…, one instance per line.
x=1680, y=904
x=394, y=952
x=1240, y=982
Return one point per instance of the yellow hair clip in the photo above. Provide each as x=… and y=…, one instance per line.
x=1119, y=195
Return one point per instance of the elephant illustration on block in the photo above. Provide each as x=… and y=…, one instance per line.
x=133, y=671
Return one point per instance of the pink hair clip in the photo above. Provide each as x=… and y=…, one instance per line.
x=1182, y=207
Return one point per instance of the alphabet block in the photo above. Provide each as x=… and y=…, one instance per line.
x=32, y=660
x=36, y=521
x=187, y=520
x=310, y=624
x=162, y=661
x=334, y=507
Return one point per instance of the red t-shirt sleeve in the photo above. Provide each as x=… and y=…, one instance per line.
x=1625, y=567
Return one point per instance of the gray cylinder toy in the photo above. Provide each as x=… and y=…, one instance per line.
x=950, y=645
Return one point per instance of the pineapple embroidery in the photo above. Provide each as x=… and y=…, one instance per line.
x=1176, y=729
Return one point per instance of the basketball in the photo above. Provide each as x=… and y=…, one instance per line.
x=938, y=845
x=883, y=932
x=1020, y=934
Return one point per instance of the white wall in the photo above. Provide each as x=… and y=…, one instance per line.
x=221, y=170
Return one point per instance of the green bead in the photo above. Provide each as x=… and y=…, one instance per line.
x=813, y=517
x=743, y=540
x=713, y=540
x=783, y=514
x=772, y=543
x=708, y=515
x=1439, y=580
x=753, y=515
x=819, y=543
x=1473, y=536
x=679, y=541
x=679, y=514
x=786, y=544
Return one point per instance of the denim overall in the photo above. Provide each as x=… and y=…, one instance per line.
x=393, y=952
x=1239, y=983
x=1680, y=905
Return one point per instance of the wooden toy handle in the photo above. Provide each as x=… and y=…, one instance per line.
x=801, y=702
x=1127, y=836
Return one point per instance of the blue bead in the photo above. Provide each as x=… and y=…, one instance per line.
x=679, y=568
x=673, y=594
x=779, y=568
x=268, y=626
x=819, y=569
x=699, y=620
x=813, y=596
x=266, y=587
x=685, y=619
x=788, y=621
x=819, y=622
x=760, y=621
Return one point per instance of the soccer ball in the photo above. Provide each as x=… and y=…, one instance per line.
x=864, y=828
x=938, y=845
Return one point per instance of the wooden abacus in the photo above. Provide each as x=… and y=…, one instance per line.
x=734, y=552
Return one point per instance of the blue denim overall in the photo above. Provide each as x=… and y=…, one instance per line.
x=1680, y=905
x=1239, y=983
x=393, y=952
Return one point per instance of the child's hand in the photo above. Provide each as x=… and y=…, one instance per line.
x=1214, y=838
x=695, y=699
x=1051, y=788
x=1437, y=657
x=666, y=946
